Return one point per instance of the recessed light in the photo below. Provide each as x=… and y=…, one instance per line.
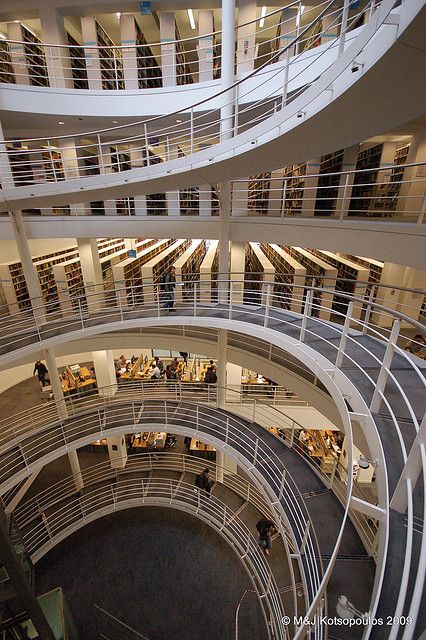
x=178, y=120
x=115, y=122
x=60, y=122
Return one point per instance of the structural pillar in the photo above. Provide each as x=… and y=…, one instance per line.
x=76, y=469
x=288, y=31
x=117, y=451
x=17, y=53
x=92, y=272
x=310, y=188
x=224, y=232
x=222, y=349
x=227, y=69
x=168, y=47
x=226, y=465
x=21, y=584
x=71, y=166
x=128, y=42
x=412, y=192
x=346, y=182
x=103, y=361
x=137, y=159
x=93, y=63
x=55, y=383
x=238, y=261
x=246, y=43
x=233, y=382
x=30, y=272
x=57, y=58
x=205, y=192
x=205, y=45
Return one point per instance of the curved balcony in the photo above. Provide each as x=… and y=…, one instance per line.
x=383, y=385
x=224, y=141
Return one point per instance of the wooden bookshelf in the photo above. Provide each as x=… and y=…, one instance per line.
x=35, y=58
x=318, y=274
x=288, y=272
x=6, y=67
x=158, y=266
x=110, y=60
x=352, y=279
x=209, y=269
x=78, y=64
x=188, y=270
x=328, y=185
x=258, y=271
x=127, y=274
x=189, y=202
x=363, y=186
x=149, y=71
x=258, y=193
x=386, y=195
x=183, y=65
x=294, y=189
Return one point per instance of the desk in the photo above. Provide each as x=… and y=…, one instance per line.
x=152, y=439
x=70, y=385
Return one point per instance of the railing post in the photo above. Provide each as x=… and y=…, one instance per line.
x=227, y=430
x=230, y=299
x=145, y=133
x=80, y=311
x=422, y=212
x=285, y=83
x=344, y=196
x=306, y=312
x=343, y=26
x=115, y=69
x=368, y=311
x=344, y=336
x=158, y=300
x=305, y=537
x=192, y=130
x=120, y=306
x=52, y=161
x=256, y=448
x=268, y=295
x=281, y=491
x=101, y=157
x=236, y=115
x=385, y=368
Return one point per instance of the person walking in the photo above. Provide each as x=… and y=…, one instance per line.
x=266, y=528
x=169, y=288
x=203, y=482
x=41, y=370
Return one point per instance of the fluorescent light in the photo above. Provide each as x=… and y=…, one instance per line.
x=2, y=36
x=60, y=122
x=262, y=16
x=191, y=18
x=118, y=14
x=115, y=122
x=299, y=14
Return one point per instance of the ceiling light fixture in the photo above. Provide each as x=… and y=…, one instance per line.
x=191, y=18
x=262, y=16
x=178, y=120
x=60, y=122
x=118, y=14
x=299, y=15
x=115, y=122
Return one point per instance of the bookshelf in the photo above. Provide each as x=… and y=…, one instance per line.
x=6, y=67
x=188, y=270
x=209, y=269
x=78, y=64
x=375, y=269
x=160, y=263
x=35, y=58
x=70, y=285
x=149, y=71
x=386, y=195
x=363, y=186
x=294, y=186
x=328, y=185
x=189, y=202
x=258, y=193
x=288, y=272
x=127, y=274
x=258, y=271
x=352, y=278
x=319, y=274
x=183, y=70
x=110, y=60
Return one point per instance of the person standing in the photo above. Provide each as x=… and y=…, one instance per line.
x=266, y=528
x=169, y=288
x=203, y=482
x=41, y=370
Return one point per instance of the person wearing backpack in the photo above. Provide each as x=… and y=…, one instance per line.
x=203, y=482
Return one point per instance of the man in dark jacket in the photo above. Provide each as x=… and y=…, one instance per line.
x=169, y=287
x=266, y=528
x=203, y=482
x=41, y=370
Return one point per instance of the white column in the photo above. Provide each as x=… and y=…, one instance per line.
x=346, y=182
x=117, y=451
x=137, y=160
x=224, y=233
x=173, y=203
x=76, y=469
x=71, y=169
x=226, y=465
x=275, y=200
x=168, y=51
x=6, y=177
x=387, y=296
x=238, y=261
x=17, y=53
x=130, y=61
x=411, y=302
x=246, y=43
x=310, y=188
x=205, y=192
x=227, y=68
x=55, y=382
x=240, y=198
x=90, y=41
x=106, y=380
x=91, y=271
x=30, y=272
x=411, y=194
x=205, y=45
x=233, y=382
x=288, y=31
x=57, y=58
x=222, y=348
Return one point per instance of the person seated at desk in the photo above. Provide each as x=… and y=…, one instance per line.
x=159, y=363
x=123, y=360
x=211, y=375
x=416, y=345
x=170, y=373
x=155, y=373
x=93, y=372
x=174, y=364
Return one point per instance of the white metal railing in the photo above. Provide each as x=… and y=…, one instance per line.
x=147, y=65
x=197, y=126
x=396, y=192
x=123, y=493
